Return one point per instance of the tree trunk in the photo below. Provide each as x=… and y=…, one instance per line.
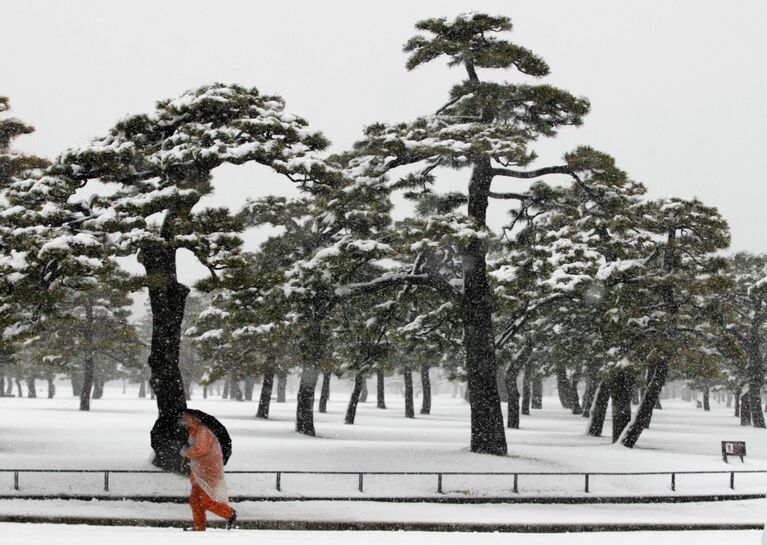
x=312, y=348
x=89, y=368
x=204, y=390
x=592, y=382
x=51, y=388
x=500, y=380
x=227, y=383
x=31, y=387
x=235, y=392
x=426, y=388
x=563, y=387
x=364, y=392
x=409, y=405
x=736, y=400
x=380, y=390
x=510, y=384
x=537, y=400
x=706, y=399
x=526, y=389
x=487, y=430
x=282, y=383
x=187, y=383
x=621, y=388
x=142, y=389
x=18, y=386
x=745, y=409
x=598, y=410
x=351, y=409
x=574, y=401
x=167, y=298
x=98, y=387
x=644, y=412
x=325, y=392
x=265, y=398
x=250, y=386
x=755, y=367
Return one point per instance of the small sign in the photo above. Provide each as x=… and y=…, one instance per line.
x=733, y=448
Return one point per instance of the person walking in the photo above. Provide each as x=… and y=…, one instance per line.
x=206, y=464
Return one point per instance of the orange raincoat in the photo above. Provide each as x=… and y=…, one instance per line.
x=207, y=474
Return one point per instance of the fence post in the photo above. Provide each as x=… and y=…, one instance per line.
x=732, y=480
x=587, y=482
x=360, y=487
x=15, y=480
x=278, y=483
x=439, y=483
x=516, y=488
x=673, y=482
x=106, y=481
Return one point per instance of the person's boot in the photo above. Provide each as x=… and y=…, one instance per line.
x=231, y=520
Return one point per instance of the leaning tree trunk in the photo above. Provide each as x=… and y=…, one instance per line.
x=592, y=382
x=265, y=398
x=282, y=385
x=167, y=298
x=645, y=410
x=537, y=401
x=351, y=409
x=380, y=390
x=325, y=392
x=487, y=430
x=598, y=410
x=426, y=389
x=409, y=405
x=621, y=388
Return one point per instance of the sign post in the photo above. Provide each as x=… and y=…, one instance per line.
x=733, y=448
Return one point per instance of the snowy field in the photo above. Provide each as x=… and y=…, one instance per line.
x=42, y=433
x=90, y=535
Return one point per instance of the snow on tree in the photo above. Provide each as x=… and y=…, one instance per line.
x=159, y=166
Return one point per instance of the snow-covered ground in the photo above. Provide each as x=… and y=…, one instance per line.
x=42, y=433
x=91, y=535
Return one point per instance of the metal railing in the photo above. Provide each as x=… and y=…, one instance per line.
x=439, y=475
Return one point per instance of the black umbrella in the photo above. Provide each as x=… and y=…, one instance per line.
x=218, y=429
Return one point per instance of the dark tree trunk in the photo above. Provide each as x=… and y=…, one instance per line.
x=325, y=392
x=235, y=392
x=706, y=399
x=598, y=409
x=592, y=382
x=745, y=409
x=563, y=387
x=426, y=388
x=351, y=409
x=227, y=383
x=621, y=388
x=167, y=298
x=537, y=401
x=574, y=401
x=736, y=399
x=380, y=390
x=51, y=388
x=510, y=384
x=142, y=389
x=312, y=348
x=487, y=430
x=282, y=384
x=500, y=380
x=526, y=389
x=644, y=411
x=98, y=388
x=409, y=405
x=31, y=388
x=250, y=386
x=265, y=398
x=86, y=387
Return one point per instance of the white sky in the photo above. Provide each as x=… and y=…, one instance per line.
x=678, y=89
